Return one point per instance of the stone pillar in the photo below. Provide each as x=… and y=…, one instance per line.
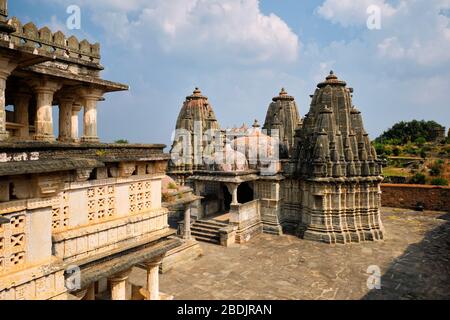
x=21, y=104
x=44, y=89
x=90, y=293
x=119, y=285
x=6, y=67
x=187, y=222
x=153, y=278
x=65, y=118
x=90, y=98
x=74, y=123
x=233, y=189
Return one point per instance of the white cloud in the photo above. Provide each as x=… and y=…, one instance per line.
x=351, y=12
x=234, y=28
x=416, y=31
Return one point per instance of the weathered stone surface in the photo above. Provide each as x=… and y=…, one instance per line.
x=282, y=115
x=413, y=260
x=335, y=171
x=194, y=120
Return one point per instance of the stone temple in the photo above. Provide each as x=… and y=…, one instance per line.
x=317, y=177
x=77, y=215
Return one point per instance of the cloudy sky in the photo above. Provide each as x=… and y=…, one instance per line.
x=241, y=52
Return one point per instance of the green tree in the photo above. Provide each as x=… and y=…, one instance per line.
x=420, y=141
x=403, y=132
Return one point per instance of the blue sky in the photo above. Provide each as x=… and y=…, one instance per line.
x=241, y=52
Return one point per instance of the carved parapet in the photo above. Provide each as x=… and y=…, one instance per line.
x=126, y=169
x=48, y=185
x=157, y=167
x=82, y=175
x=46, y=42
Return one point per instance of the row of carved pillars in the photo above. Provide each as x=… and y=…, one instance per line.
x=119, y=284
x=45, y=89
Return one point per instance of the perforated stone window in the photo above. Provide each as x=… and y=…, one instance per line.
x=101, y=203
x=13, y=242
x=140, y=196
x=60, y=213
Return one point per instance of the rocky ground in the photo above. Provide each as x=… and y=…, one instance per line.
x=413, y=261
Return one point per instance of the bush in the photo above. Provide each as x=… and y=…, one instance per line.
x=121, y=141
x=420, y=141
x=418, y=178
x=396, y=152
x=172, y=185
x=436, y=169
x=423, y=154
x=439, y=182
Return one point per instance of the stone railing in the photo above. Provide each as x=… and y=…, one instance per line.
x=96, y=216
x=247, y=218
x=30, y=37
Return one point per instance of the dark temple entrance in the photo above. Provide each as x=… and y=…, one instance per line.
x=227, y=198
x=245, y=193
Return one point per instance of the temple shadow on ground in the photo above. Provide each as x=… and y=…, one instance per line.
x=421, y=272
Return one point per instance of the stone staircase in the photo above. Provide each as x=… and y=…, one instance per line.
x=207, y=230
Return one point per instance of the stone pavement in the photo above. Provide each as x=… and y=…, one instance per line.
x=413, y=260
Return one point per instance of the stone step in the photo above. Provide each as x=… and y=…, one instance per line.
x=206, y=227
x=205, y=234
x=212, y=223
x=206, y=239
x=204, y=230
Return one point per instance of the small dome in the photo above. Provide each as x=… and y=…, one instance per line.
x=228, y=160
x=283, y=95
x=255, y=145
x=332, y=79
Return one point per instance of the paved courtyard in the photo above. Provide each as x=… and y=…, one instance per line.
x=413, y=260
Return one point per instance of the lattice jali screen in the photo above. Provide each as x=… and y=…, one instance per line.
x=13, y=242
x=60, y=213
x=140, y=196
x=264, y=190
x=101, y=203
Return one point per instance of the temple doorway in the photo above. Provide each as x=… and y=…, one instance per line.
x=245, y=193
x=227, y=198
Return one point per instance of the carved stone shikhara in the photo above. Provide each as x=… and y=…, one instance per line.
x=196, y=116
x=325, y=185
x=336, y=170
x=282, y=116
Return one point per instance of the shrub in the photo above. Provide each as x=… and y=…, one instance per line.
x=436, y=169
x=396, y=152
x=423, y=154
x=172, y=185
x=121, y=141
x=418, y=178
x=439, y=182
x=420, y=141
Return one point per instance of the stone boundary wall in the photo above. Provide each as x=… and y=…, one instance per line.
x=410, y=195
